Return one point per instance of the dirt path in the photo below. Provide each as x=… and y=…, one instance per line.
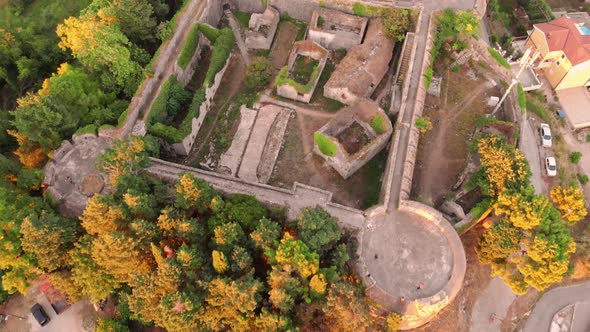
x=230, y=83
x=284, y=40
x=430, y=186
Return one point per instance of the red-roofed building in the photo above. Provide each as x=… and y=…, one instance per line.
x=564, y=46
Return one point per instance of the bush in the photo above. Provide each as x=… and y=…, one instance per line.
x=396, y=22
x=210, y=33
x=222, y=48
x=258, y=73
x=158, y=109
x=583, y=178
x=89, y=129
x=359, y=9
x=537, y=108
x=428, y=77
x=189, y=47
x=481, y=207
x=499, y=58
x=378, y=124
x=325, y=145
x=575, y=157
x=456, y=68
x=423, y=124
x=587, y=137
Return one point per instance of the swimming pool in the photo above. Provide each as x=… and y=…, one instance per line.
x=585, y=30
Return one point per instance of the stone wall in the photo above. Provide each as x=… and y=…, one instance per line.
x=412, y=148
x=335, y=39
x=250, y=6
x=301, y=196
x=256, y=39
x=184, y=147
x=420, y=311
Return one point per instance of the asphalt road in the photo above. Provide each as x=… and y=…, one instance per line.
x=529, y=145
x=553, y=301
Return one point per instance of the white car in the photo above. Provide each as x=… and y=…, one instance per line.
x=545, y=132
x=551, y=166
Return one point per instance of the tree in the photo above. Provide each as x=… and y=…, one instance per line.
x=92, y=280
x=345, y=310
x=48, y=237
x=396, y=22
x=522, y=208
x=126, y=157
x=136, y=19
x=230, y=305
x=570, y=202
x=219, y=261
x=120, y=255
x=258, y=74
x=193, y=193
x=504, y=166
x=297, y=255
x=285, y=289
x=111, y=325
x=318, y=229
x=267, y=321
x=394, y=320
x=102, y=215
x=266, y=234
x=29, y=153
x=228, y=236
x=98, y=43
x=246, y=210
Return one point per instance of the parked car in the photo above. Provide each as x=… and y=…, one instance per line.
x=39, y=314
x=551, y=166
x=545, y=132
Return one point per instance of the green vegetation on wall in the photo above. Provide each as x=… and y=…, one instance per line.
x=325, y=145
x=189, y=48
x=378, y=124
x=283, y=78
x=521, y=98
x=496, y=55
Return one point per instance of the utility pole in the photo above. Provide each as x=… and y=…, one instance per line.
x=525, y=62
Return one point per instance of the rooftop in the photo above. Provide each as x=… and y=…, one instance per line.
x=564, y=34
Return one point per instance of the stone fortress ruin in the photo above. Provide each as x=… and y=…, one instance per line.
x=358, y=132
x=363, y=67
x=262, y=28
x=269, y=148
x=300, y=77
x=335, y=30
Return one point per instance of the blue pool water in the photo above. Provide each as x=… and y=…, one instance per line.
x=585, y=30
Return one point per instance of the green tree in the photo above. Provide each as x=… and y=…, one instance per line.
x=111, y=325
x=266, y=234
x=193, y=193
x=318, y=229
x=48, y=237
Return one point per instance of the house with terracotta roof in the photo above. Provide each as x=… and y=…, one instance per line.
x=564, y=48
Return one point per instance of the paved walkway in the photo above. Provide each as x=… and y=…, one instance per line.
x=493, y=302
x=553, y=301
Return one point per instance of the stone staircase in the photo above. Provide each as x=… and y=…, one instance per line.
x=405, y=59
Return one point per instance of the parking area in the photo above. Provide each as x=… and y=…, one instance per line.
x=79, y=317
x=536, y=154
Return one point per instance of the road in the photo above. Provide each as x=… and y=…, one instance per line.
x=529, y=145
x=553, y=301
x=494, y=301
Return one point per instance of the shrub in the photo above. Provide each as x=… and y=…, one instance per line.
x=258, y=73
x=378, y=124
x=499, y=58
x=583, y=178
x=396, y=22
x=481, y=207
x=189, y=47
x=456, y=68
x=423, y=124
x=89, y=129
x=325, y=145
x=521, y=98
x=210, y=33
x=428, y=77
x=158, y=109
x=575, y=157
x=359, y=9
x=587, y=137
x=222, y=48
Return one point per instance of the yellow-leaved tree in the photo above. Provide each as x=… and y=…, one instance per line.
x=570, y=202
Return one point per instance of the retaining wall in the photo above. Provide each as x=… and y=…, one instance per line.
x=184, y=147
x=299, y=197
x=421, y=311
x=412, y=147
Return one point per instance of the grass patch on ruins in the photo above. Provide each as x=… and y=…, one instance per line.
x=325, y=145
x=303, y=69
x=537, y=106
x=498, y=57
x=243, y=18
x=285, y=78
x=378, y=124
x=301, y=25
